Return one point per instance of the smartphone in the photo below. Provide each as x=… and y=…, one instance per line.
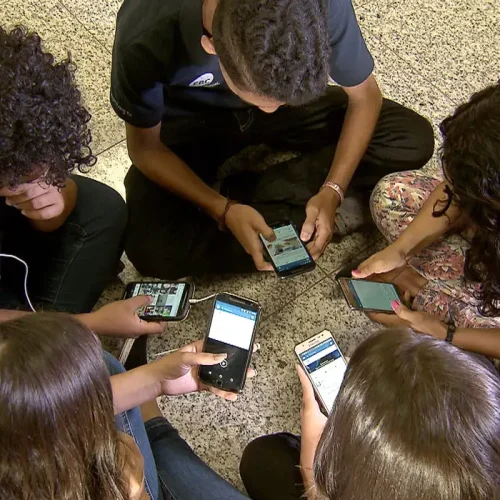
x=325, y=366
x=287, y=253
x=231, y=330
x=364, y=295
x=170, y=300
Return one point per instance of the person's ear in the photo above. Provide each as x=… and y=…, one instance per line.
x=207, y=45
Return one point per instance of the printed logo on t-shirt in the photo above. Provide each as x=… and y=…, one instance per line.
x=203, y=81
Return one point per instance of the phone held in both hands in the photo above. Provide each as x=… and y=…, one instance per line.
x=231, y=330
x=170, y=300
x=324, y=364
x=370, y=296
x=287, y=253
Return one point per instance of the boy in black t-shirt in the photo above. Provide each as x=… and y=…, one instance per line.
x=196, y=81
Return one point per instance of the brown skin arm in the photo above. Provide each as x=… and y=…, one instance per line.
x=163, y=167
x=363, y=109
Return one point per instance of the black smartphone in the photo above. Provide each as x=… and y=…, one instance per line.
x=231, y=330
x=364, y=295
x=287, y=253
x=170, y=300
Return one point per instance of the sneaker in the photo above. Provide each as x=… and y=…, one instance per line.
x=353, y=215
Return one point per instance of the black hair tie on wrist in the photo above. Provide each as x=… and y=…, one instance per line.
x=450, y=331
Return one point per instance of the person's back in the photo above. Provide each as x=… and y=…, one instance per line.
x=416, y=419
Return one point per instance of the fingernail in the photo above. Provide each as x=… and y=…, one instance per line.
x=395, y=304
x=355, y=271
x=220, y=357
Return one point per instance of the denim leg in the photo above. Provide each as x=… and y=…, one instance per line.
x=183, y=475
x=131, y=423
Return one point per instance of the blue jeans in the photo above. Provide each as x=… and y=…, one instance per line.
x=169, y=462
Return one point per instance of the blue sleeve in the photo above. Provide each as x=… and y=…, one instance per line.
x=350, y=61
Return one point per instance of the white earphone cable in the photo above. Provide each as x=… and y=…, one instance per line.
x=25, y=277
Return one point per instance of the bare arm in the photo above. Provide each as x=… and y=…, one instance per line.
x=425, y=228
x=135, y=387
x=363, y=109
x=163, y=167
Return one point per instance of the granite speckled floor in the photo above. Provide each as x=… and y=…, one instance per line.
x=429, y=55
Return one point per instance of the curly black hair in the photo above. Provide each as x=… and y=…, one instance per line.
x=471, y=162
x=275, y=49
x=43, y=124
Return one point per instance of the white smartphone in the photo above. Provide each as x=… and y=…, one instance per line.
x=325, y=366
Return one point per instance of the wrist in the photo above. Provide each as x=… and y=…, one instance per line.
x=332, y=191
x=440, y=330
x=216, y=207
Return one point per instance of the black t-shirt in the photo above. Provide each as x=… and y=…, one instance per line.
x=160, y=69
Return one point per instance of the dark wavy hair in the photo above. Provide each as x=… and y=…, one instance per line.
x=43, y=124
x=416, y=419
x=471, y=162
x=275, y=49
x=57, y=429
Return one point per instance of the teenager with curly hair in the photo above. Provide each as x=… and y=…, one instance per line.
x=447, y=231
x=198, y=81
x=67, y=228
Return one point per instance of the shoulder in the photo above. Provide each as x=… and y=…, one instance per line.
x=143, y=21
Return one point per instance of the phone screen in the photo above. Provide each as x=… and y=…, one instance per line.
x=326, y=367
x=167, y=298
x=231, y=332
x=373, y=295
x=287, y=251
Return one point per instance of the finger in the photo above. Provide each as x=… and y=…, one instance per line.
x=152, y=327
x=319, y=243
x=25, y=192
x=256, y=252
x=256, y=347
x=45, y=213
x=262, y=228
x=307, y=388
x=309, y=224
x=230, y=396
x=251, y=373
x=139, y=301
x=202, y=358
x=407, y=299
x=401, y=310
x=364, y=270
x=36, y=203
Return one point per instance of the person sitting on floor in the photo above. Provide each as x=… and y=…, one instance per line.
x=198, y=82
x=415, y=419
x=59, y=406
x=445, y=234
x=67, y=228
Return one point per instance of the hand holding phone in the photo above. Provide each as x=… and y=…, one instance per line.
x=369, y=296
x=288, y=254
x=170, y=301
x=232, y=329
x=324, y=364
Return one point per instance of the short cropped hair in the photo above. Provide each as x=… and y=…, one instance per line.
x=275, y=49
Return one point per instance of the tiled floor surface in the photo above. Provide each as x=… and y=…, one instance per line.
x=430, y=55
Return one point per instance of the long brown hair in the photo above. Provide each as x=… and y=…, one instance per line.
x=416, y=418
x=57, y=433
